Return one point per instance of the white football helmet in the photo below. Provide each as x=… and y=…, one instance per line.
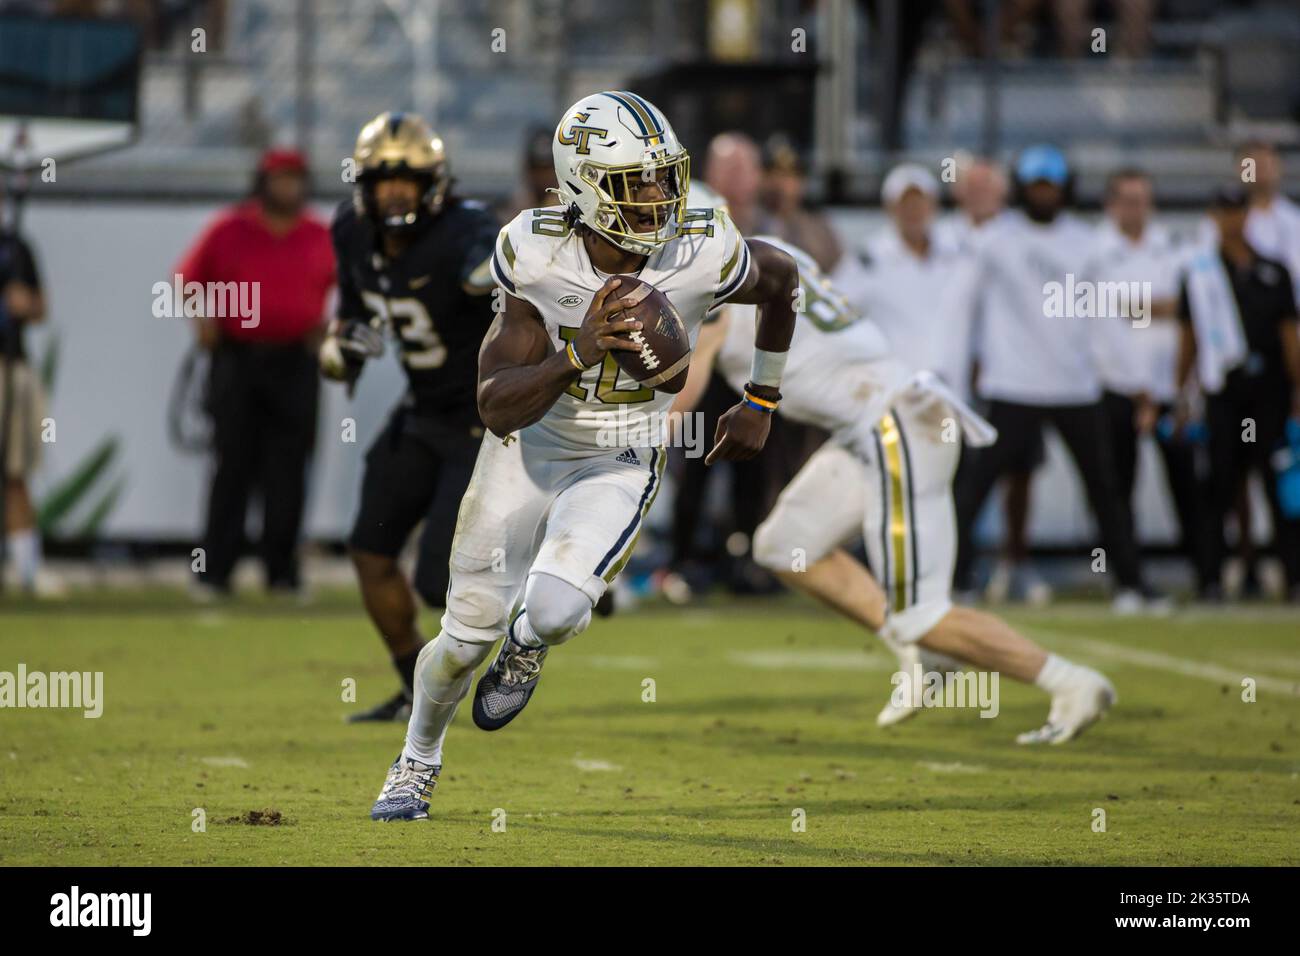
x=606, y=146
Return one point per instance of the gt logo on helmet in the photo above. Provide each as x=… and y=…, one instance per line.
x=580, y=136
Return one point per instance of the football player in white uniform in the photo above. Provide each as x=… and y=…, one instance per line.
x=885, y=475
x=559, y=492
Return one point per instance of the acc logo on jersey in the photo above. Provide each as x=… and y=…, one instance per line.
x=581, y=135
x=570, y=301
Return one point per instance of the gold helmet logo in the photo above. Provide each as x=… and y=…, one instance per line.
x=580, y=135
x=398, y=141
x=394, y=144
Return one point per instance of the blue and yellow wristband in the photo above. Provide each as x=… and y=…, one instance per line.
x=765, y=405
x=576, y=362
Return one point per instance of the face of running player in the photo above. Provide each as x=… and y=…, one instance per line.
x=1129, y=204
x=1043, y=200
x=283, y=193
x=397, y=196
x=645, y=198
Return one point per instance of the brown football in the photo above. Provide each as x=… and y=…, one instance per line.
x=665, y=354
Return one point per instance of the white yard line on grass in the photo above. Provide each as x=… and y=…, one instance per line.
x=225, y=761
x=855, y=660
x=595, y=766
x=1186, y=613
x=1167, y=662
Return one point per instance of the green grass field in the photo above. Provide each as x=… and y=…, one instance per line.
x=761, y=709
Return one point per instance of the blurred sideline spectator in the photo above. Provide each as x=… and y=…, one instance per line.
x=22, y=409
x=732, y=169
x=1138, y=356
x=785, y=182
x=980, y=191
x=537, y=176
x=264, y=387
x=1273, y=225
x=1037, y=368
x=1239, y=332
x=919, y=292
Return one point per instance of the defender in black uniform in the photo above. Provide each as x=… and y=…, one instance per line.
x=409, y=255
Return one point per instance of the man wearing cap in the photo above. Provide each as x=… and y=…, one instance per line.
x=784, y=193
x=919, y=291
x=267, y=264
x=1239, y=332
x=1037, y=365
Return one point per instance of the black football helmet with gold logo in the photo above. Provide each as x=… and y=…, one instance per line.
x=400, y=144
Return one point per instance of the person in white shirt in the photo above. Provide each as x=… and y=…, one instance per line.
x=980, y=191
x=919, y=292
x=1138, y=353
x=1273, y=223
x=1037, y=365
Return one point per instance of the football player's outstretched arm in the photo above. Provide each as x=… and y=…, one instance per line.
x=771, y=284
x=520, y=377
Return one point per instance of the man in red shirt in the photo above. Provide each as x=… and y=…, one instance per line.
x=264, y=269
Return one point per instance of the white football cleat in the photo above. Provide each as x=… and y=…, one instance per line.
x=909, y=655
x=1074, y=710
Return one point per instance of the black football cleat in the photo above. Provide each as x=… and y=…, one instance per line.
x=605, y=606
x=397, y=709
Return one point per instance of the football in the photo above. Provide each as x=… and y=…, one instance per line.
x=665, y=354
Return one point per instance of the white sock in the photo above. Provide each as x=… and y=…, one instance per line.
x=524, y=633
x=25, y=555
x=1057, y=674
x=444, y=672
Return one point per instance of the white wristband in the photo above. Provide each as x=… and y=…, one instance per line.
x=768, y=367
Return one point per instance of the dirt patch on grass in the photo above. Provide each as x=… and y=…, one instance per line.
x=259, y=818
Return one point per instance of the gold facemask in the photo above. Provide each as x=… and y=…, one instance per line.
x=619, y=216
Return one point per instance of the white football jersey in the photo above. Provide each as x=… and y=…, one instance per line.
x=540, y=258
x=840, y=365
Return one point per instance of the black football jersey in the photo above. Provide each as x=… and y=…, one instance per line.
x=420, y=297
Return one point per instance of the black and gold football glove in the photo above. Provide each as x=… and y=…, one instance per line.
x=346, y=347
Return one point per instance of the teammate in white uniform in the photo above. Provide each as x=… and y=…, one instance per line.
x=557, y=497
x=885, y=475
